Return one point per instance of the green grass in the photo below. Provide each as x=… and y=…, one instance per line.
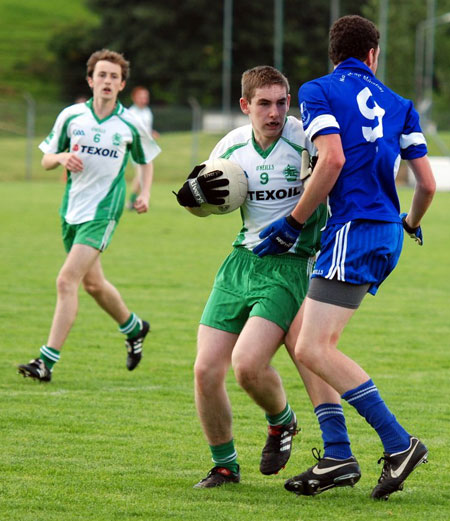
x=102, y=444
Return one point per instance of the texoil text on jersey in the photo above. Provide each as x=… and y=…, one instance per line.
x=265, y=195
x=99, y=151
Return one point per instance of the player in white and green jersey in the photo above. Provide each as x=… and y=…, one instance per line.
x=254, y=300
x=274, y=184
x=98, y=191
x=92, y=141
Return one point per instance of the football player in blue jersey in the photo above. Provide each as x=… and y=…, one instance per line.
x=361, y=129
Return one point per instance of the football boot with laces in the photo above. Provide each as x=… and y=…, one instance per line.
x=219, y=476
x=277, y=450
x=397, y=467
x=35, y=369
x=327, y=473
x=134, y=346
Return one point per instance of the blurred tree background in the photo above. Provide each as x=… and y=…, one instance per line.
x=175, y=47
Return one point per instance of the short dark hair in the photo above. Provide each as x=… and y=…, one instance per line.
x=352, y=37
x=261, y=76
x=109, y=56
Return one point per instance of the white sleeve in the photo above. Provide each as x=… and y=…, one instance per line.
x=144, y=148
x=58, y=139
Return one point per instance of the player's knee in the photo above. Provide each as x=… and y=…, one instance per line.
x=208, y=376
x=65, y=284
x=246, y=373
x=305, y=355
x=93, y=287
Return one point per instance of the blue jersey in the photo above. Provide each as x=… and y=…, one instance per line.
x=377, y=128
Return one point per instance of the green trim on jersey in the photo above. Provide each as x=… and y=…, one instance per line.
x=137, y=151
x=293, y=145
x=263, y=153
x=64, y=141
x=65, y=199
x=111, y=206
x=309, y=240
x=241, y=235
x=229, y=151
x=118, y=108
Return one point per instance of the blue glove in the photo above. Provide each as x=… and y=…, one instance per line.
x=279, y=237
x=414, y=233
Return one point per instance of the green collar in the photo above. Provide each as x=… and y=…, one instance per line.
x=263, y=153
x=117, y=109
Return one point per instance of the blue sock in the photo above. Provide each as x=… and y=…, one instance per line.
x=367, y=401
x=334, y=431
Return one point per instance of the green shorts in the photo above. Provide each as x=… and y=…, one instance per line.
x=97, y=234
x=271, y=287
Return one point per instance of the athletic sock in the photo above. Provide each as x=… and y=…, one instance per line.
x=133, y=197
x=49, y=356
x=225, y=455
x=336, y=442
x=132, y=326
x=283, y=418
x=367, y=401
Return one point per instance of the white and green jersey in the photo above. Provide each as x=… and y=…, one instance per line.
x=274, y=185
x=98, y=191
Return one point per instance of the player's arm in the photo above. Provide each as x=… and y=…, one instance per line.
x=145, y=180
x=67, y=159
x=423, y=195
x=424, y=191
x=329, y=164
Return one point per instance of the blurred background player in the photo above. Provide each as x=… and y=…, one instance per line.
x=253, y=300
x=142, y=111
x=91, y=140
x=361, y=130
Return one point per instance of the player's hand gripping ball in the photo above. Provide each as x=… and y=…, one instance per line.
x=217, y=186
x=237, y=186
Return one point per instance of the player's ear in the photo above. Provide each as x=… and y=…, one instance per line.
x=122, y=85
x=288, y=101
x=90, y=81
x=244, y=104
x=372, y=59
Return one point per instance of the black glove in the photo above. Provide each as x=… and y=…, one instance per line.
x=198, y=190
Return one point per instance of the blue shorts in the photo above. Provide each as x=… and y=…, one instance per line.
x=359, y=252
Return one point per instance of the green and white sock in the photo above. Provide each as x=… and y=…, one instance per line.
x=225, y=455
x=283, y=418
x=132, y=326
x=49, y=356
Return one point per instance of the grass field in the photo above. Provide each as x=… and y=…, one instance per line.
x=101, y=443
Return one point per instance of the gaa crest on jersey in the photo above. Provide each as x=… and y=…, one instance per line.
x=291, y=173
x=306, y=116
x=117, y=139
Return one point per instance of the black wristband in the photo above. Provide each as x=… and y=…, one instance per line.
x=407, y=227
x=294, y=223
